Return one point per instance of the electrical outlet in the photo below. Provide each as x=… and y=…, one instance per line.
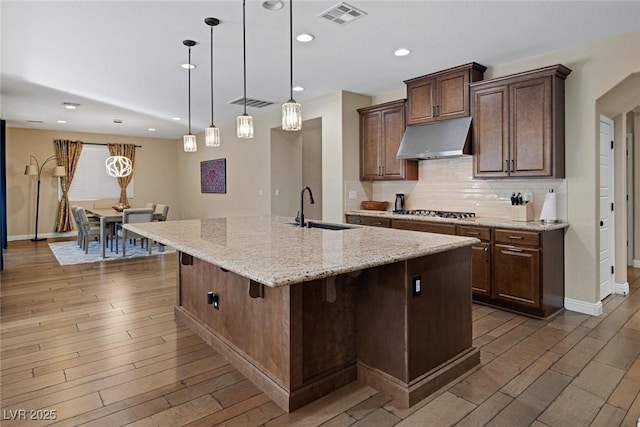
x=260, y=192
x=353, y=195
x=527, y=196
x=277, y=192
x=417, y=285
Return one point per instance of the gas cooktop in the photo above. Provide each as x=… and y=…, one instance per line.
x=440, y=214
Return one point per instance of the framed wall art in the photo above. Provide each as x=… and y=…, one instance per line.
x=213, y=176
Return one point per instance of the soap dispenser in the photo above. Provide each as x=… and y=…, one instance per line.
x=399, y=205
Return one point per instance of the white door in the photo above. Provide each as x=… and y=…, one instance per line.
x=606, y=208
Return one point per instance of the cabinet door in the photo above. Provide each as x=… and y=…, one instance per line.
x=370, y=128
x=531, y=139
x=392, y=132
x=452, y=95
x=490, y=131
x=368, y=220
x=481, y=269
x=517, y=275
x=421, y=100
x=427, y=227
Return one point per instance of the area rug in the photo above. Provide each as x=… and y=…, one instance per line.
x=69, y=253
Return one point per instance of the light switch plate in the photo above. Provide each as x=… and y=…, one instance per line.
x=353, y=195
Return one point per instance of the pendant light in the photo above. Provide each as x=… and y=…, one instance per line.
x=291, y=110
x=245, y=121
x=212, y=133
x=189, y=140
x=118, y=166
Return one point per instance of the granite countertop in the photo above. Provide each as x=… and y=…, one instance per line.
x=272, y=251
x=479, y=221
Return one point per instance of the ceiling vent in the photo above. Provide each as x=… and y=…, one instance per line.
x=342, y=14
x=256, y=103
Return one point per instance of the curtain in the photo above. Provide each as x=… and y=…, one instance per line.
x=67, y=156
x=126, y=150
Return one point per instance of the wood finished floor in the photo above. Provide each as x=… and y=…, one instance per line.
x=98, y=344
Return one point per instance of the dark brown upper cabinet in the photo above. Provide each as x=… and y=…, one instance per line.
x=381, y=130
x=518, y=124
x=442, y=95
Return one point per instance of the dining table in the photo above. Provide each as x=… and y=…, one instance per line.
x=110, y=217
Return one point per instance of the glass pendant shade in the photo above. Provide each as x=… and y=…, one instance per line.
x=245, y=126
x=190, y=144
x=118, y=166
x=212, y=136
x=291, y=116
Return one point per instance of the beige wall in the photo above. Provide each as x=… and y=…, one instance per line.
x=249, y=163
x=155, y=177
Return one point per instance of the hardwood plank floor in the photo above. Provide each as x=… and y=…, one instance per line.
x=98, y=344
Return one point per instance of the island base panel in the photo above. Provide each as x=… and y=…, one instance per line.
x=405, y=395
x=289, y=401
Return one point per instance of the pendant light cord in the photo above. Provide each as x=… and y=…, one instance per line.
x=291, y=49
x=189, y=90
x=211, y=76
x=244, y=55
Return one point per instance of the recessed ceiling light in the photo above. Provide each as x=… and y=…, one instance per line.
x=176, y=118
x=188, y=66
x=273, y=4
x=305, y=38
x=298, y=88
x=151, y=129
x=70, y=105
x=62, y=121
x=402, y=52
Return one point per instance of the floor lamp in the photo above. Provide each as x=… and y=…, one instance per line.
x=36, y=170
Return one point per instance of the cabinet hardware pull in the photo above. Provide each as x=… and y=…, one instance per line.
x=473, y=233
x=601, y=223
x=376, y=223
x=514, y=250
x=512, y=166
x=438, y=110
x=506, y=166
x=486, y=249
x=433, y=111
x=516, y=237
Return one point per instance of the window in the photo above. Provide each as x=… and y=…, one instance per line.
x=91, y=181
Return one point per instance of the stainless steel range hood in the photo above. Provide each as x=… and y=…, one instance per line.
x=447, y=138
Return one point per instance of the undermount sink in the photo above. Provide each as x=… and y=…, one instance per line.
x=324, y=226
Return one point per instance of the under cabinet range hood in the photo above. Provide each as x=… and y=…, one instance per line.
x=446, y=138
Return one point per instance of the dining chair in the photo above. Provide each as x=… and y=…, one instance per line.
x=150, y=206
x=161, y=211
x=76, y=221
x=131, y=216
x=88, y=229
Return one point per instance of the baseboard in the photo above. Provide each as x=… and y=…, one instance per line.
x=636, y=263
x=590, y=308
x=47, y=235
x=621, y=288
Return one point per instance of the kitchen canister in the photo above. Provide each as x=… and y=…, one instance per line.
x=549, y=207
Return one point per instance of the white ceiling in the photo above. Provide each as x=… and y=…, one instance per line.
x=121, y=59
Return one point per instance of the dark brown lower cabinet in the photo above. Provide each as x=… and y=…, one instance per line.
x=368, y=220
x=517, y=275
x=481, y=269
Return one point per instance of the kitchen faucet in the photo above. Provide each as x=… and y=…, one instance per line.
x=301, y=216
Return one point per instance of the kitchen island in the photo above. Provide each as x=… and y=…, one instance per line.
x=302, y=312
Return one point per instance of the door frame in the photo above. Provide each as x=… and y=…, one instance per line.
x=630, y=200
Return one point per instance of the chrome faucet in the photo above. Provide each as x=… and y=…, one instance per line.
x=301, y=215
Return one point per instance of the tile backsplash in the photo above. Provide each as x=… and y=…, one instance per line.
x=448, y=184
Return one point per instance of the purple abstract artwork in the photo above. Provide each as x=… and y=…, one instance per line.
x=213, y=176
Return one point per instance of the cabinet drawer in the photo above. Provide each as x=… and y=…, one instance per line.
x=516, y=237
x=367, y=220
x=428, y=227
x=482, y=233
